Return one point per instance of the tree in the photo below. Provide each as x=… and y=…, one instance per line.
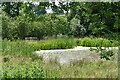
x=12, y=8
x=97, y=18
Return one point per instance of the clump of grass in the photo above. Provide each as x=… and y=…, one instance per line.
x=96, y=42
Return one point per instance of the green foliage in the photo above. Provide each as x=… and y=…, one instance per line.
x=97, y=20
x=20, y=48
x=113, y=36
x=97, y=28
x=26, y=48
x=17, y=66
x=93, y=20
x=96, y=42
x=54, y=44
x=28, y=70
x=13, y=28
x=104, y=53
x=77, y=29
x=18, y=28
x=12, y=8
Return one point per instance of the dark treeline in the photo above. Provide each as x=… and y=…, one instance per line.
x=77, y=19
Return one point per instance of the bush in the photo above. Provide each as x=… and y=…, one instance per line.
x=54, y=44
x=95, y=42
x=31, y=70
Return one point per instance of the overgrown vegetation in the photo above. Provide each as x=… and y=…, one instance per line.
x=28, y=70
x=17, y=28
x=105, y=53
x=81, y=20
x=27, y=48
x=19, y=47
x=22, y=67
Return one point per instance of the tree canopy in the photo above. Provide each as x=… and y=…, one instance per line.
x=69, y=18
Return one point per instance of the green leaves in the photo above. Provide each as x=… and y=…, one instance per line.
x=96, y=42
x=97, y=19
x=28, y=70
x=106, y=54
x=12, y=8
x=94, y=19
x=62, y=43
x=46, y=25
x=20, y=48
x=97, y=28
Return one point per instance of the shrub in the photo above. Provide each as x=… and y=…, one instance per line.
x=104, y=53
x=95, y=42
x=54, y=44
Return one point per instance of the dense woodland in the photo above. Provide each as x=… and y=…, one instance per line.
x=27, y=19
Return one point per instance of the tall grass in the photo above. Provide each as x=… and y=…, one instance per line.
x=27, y=68
x=26, y=48
x=20, y=67
x=19, y=47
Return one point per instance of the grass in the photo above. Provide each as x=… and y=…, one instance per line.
x=26, y=48
x=19, y=60
x=19, y=47
x=52, y=69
